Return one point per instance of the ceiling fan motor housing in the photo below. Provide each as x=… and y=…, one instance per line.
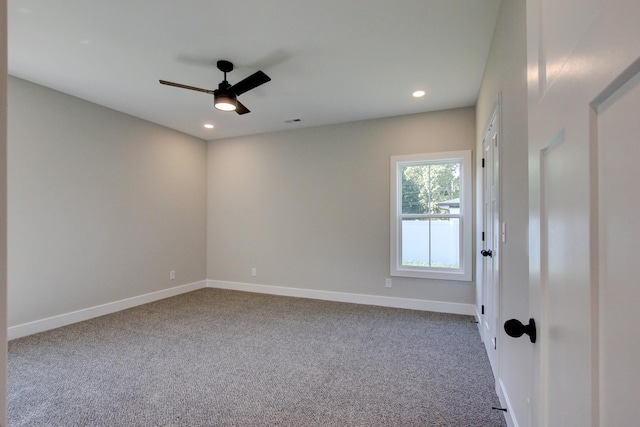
x=223, y=86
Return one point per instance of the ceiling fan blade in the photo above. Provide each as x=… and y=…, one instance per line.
x=164, y=82
x=241, y=109
x=253, y=81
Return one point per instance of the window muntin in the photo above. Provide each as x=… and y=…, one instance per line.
x=430, y=215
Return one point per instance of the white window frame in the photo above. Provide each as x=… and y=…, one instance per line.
x=397, y=269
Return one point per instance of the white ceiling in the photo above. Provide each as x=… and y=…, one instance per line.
x=330, y=61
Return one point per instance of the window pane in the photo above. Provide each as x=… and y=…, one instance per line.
x=445, y=243
x=431, y=242
x=415, y=242
x=431, y=188
x=414, y=197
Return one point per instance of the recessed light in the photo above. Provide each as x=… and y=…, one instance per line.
x=419, y=94
x=208, y=126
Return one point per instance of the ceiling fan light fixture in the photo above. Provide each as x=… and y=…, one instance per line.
x=224, y=101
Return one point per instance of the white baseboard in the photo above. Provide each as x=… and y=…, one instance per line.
x=49, y=323
x=479, y=320
x=412, y=304
x=42, y=325
x=506, y=403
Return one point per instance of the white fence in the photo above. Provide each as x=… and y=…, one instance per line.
x=431, y=242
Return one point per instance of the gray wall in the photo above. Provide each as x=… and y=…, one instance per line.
x=309, y=208
x=101, y=205
x=506, y=73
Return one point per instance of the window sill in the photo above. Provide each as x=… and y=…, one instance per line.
x=459, y=276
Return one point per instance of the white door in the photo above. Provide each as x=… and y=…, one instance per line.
x=584, y=110
x=490, y=248
x=618, y=249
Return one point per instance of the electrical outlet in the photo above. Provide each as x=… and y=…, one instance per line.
x=254, y=272
x=387, y=283
x=172, y=275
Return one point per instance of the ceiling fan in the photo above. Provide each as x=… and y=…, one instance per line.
x=225, y=98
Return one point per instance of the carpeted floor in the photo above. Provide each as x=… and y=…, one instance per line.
x=225, y=358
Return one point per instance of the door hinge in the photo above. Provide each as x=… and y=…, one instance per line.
x=483, y=236
x=482, y=308
x=482, y=162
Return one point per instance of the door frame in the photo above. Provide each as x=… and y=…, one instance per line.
x=493, y=122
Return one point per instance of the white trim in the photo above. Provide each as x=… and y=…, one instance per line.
x=42, y=325
x=54, y=322
x=464, y=273
x=412, y=304
x=479, y=320
x=506, y=403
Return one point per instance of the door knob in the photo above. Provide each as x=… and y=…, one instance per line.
x=486, y=252
x=514, y=328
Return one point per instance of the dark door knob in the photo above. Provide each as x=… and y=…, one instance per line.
x=515, y=328
x=486, y=252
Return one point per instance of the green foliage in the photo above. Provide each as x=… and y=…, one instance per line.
x=426, y=185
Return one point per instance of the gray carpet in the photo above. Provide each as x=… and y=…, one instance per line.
x=225, y=358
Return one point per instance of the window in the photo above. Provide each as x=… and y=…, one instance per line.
x=431, y=215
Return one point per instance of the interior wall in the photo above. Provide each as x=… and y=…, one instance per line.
x=102, y=205
x=505, y=74
x=309, y=208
